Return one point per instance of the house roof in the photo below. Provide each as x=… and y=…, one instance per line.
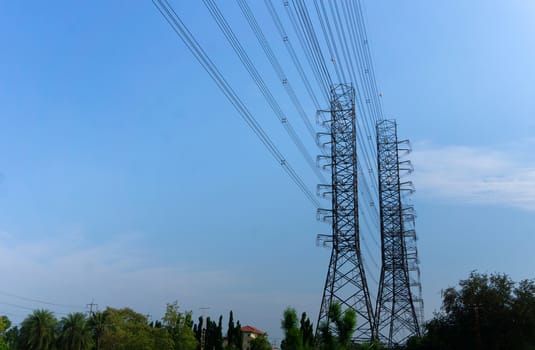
x=251, y=329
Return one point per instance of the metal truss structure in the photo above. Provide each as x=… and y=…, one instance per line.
x=346, y=279
x=399, y=304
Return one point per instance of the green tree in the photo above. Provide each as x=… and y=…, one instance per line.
x=483, y=312
x=234, y=334
x=161, y=338
x=179, y=327
x=307, y=332
x=197, y=330
x=230, y=329
x=98, y=324
x=219, y=334
x=5, y=323
x=238, y=336
x=213, y=336
x=523, y=310
x=12, y=338
x=259, y=343
x=126, y=330
x=343, y=323
x=373, y=345
x=293, y=339
x=39, y=331
x=75, y=332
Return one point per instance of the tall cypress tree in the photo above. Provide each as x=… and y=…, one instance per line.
x=197, y=329
x=210, y=335
x=238, y=341
x=219, y=337
x=230, y=330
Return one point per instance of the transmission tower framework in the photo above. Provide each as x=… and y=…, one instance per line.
x=399, y=305
x=345, y=283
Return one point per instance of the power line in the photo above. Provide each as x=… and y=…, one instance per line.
x=311, y=51
x=261, y=38
x=366, y=153
x=39, y=301
x=331, y=45
x=366, y=147
x=259, y=81
x=367, y=54
x=291, y=51
x=198, y=52
x=28, y=308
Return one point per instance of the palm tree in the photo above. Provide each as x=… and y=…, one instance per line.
x=75, y=332
x=39, y=330
x=98, y=325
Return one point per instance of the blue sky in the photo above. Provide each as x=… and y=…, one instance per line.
x=128, y=179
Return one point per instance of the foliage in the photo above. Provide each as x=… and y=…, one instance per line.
x=234, y=334
x=297, y=336
x=126, y=330
x=307, y=332
x=98, y=325
x=75, y=332
x=117, y=329
x=484, y=312
x=162, y=339
x=38, y=331
x=219, y=334
x=179, y=328
x=213, y=335
x=12, y=338
x=344, y=326
x=5, y=323
x=238, y=336
x=373, y=345
x=293, y=339
x=259, y=343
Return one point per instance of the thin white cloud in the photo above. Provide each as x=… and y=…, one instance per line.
x=502, y=176
x=121, y=273
x=114, y=274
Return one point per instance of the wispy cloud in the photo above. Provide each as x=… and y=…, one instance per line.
x=116, y=274
x=503, y=176
x=121, y=272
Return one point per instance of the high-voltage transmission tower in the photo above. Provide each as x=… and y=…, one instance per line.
x=399, y=304
x=346, y=279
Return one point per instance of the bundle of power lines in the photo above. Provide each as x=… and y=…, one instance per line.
x=325, y=43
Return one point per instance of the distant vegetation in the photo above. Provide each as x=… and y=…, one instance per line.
x=483, y=312
x=118, y=329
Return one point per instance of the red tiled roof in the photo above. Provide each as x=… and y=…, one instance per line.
x=251, y=329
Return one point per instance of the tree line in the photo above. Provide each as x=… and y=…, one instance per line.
x=482, y=312
x=119, y=329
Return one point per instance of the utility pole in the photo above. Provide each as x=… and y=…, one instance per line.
x=90, y=306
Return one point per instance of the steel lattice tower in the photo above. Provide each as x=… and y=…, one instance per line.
x=399, y=305
x=346, y=279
